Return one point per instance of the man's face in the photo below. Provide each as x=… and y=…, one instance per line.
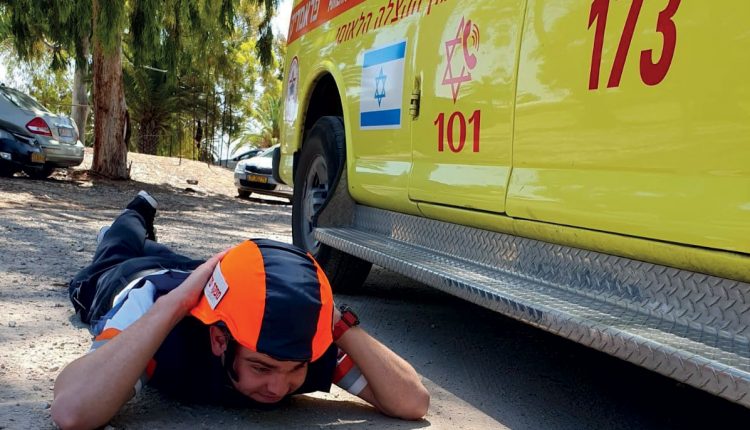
x=265, y=379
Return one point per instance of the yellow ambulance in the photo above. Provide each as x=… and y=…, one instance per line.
x=582, y=166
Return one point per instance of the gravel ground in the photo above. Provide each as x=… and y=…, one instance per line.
x=483, y=370
x=48, y=231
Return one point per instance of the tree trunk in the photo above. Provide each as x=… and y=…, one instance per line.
x=80, y=110
x=110, y=150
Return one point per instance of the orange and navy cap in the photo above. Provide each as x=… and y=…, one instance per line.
x=273, y=298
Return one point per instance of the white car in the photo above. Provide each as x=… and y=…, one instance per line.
x=231, y=163
x=255, y=175
x=57, y=134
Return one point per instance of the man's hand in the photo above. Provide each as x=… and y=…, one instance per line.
x=187, y=295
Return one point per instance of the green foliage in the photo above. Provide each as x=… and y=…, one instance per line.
x=263, y=112
x=153, y=105
x=5, y=33
x=145, y=28
x=49, y=87
x=80, y=28
x=110, y=18
x=265, y=32
x=213, y=61
x=209, y=52
x=39, y=28
x=264, y=130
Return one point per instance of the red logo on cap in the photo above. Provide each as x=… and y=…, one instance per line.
x=215, y=290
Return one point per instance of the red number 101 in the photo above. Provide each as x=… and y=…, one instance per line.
x=447, y=133
x=652, y=73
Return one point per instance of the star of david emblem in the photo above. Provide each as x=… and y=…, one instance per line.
x=380, y=87
x=449, y=78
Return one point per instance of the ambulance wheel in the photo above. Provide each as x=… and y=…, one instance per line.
x=321, y=162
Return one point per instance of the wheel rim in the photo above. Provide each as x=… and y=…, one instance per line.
x=315, y=194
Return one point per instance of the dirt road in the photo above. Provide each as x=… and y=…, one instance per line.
x=483, y=370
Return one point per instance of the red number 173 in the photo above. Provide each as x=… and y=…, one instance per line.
x=652, y=73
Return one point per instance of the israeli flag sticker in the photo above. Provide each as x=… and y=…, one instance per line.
x=382, y=88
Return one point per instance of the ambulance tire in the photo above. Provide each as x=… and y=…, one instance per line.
x=320, y=164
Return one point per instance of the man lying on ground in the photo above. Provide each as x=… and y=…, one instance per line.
x=251, y=326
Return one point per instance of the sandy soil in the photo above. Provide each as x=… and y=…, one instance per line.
x=482, y=370
x=47, y=232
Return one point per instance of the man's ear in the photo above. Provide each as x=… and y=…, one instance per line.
x=218, y=340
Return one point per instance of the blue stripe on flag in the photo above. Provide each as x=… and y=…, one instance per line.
x=384, y=55
x=380, y=118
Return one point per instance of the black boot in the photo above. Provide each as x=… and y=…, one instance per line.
x=145, y=205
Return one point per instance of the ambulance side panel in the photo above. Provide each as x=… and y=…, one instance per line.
x=466, y=61
x=633, y=117
x=372, y=64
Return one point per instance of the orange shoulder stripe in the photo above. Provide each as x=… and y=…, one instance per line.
x=107, y=334
x=324, y=332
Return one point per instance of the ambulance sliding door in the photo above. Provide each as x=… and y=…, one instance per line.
x=466, y=59
x=633, y=117
x=378, y=103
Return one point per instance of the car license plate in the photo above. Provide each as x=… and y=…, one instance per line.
x=257, y=178
x=65, y=132
x=37, y=157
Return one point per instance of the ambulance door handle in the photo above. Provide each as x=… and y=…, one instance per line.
x=415, y=98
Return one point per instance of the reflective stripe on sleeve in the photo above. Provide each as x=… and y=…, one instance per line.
x=348, y=376
x=358, y=385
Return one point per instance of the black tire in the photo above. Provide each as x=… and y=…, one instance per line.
x=42, y=173
x=321, y=162
x=243, y=194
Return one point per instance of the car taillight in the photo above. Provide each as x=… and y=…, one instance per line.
x=38, y=126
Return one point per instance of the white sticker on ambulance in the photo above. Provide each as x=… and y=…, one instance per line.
x=382, y=88
x=291, y=107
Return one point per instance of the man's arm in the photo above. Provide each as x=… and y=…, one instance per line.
x=91, y=389
x=393, y=386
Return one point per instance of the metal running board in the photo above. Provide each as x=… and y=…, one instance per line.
x=685, y=325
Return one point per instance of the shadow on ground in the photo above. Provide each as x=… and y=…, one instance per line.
x=483, y=370
x=520, y=376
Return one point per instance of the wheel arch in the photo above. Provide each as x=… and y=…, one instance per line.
x=323, y=99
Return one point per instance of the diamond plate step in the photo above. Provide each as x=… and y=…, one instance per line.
x=691, y=327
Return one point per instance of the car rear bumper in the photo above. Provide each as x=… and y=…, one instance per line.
x=270, y=188
x=63, y=155
x=17, y=166
x=15, y=156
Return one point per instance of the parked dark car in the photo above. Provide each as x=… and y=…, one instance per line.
x=56, y=134
x=19, y=150
x=255, y=175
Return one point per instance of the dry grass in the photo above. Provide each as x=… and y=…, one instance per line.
x=174, y=172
